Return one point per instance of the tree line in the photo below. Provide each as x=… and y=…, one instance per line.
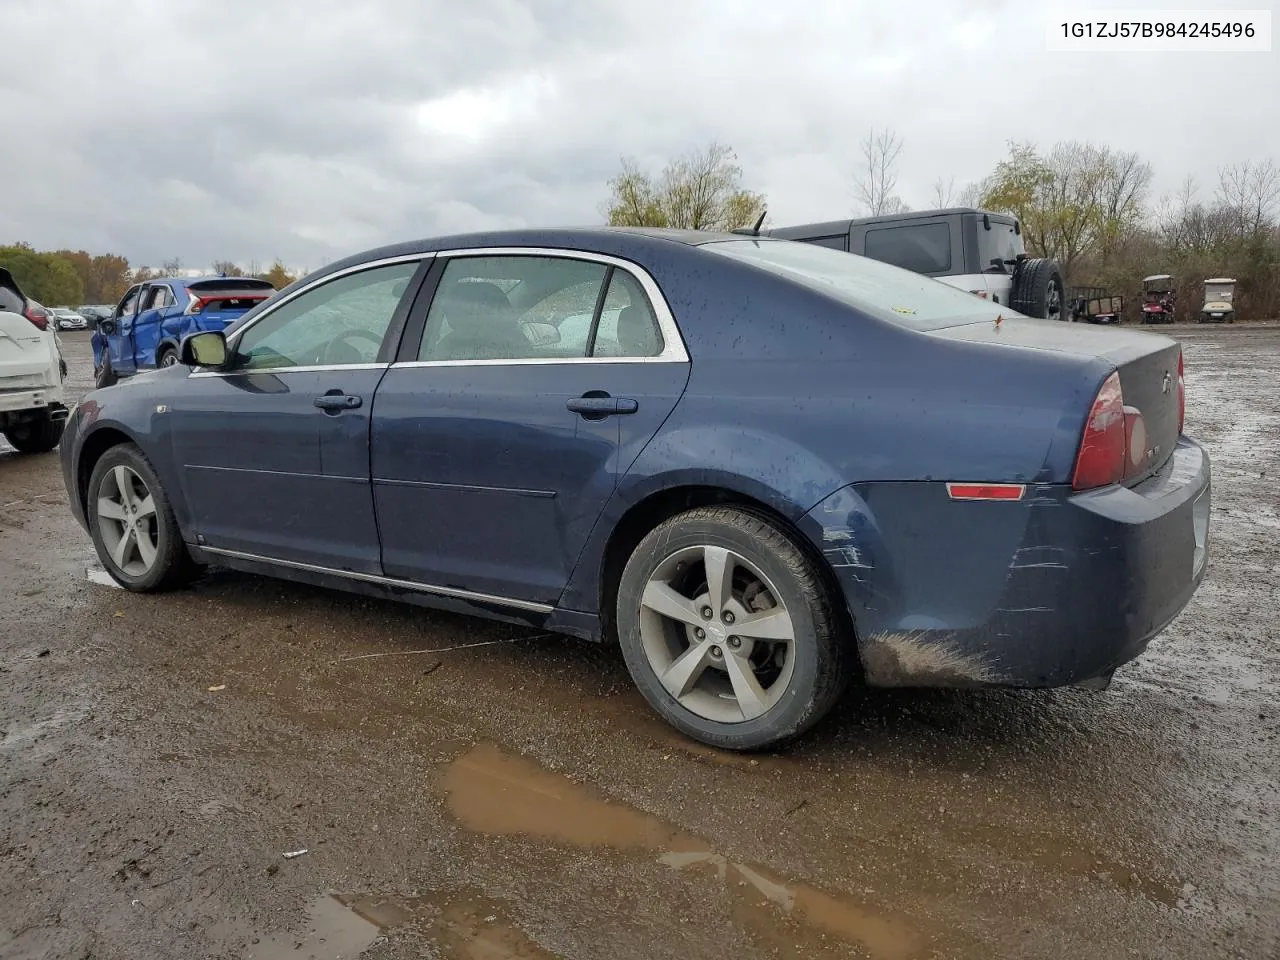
x=76, y=277
x=1086, y=205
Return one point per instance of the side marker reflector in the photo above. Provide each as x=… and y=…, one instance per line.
x=986, y=491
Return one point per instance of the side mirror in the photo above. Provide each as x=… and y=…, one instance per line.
x=207, y=349
x=107, y=327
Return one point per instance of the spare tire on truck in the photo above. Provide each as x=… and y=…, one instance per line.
x=1037, y=289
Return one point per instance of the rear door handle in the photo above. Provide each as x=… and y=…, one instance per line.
x=597, y=407
x=337, y=401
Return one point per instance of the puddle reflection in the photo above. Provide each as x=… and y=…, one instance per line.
x=494, y=792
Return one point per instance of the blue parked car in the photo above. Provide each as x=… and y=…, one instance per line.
x=764, y=468
x=144, y=330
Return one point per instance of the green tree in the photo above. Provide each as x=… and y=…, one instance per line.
x=699, y=191
x=44, y=277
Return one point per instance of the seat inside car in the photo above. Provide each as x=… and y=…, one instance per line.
x=481, y=323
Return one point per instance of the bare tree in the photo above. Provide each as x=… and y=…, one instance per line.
x=944, y=192
x=878, y=177
x=970, y=195
x=1252, y=190
x=227, y=268
x=699, y=191
x=172, y=267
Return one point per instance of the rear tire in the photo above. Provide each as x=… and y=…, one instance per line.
x=132, y=523
x=702, y=669
x=39, y=434
x=1038, y=289
x=168, y=357
x=105, y=377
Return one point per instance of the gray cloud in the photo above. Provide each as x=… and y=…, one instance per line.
x=307, y=130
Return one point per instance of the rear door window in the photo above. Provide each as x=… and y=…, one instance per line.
x=919, y=247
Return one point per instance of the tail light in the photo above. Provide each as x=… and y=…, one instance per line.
x=1114, y=445
x=38, y=318
x=1182, y=396
x=1104, y=446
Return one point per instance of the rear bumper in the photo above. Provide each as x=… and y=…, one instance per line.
x=38, y=398
x=1058, y=588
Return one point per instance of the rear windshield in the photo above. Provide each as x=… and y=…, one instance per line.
x=217, y=302
x=875, y=288
x=1001, y=243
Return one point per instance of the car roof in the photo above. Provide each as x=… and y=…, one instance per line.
x=835, y=227
x=623, y=242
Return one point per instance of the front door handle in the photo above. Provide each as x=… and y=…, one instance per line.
x=337, y=401
x=596, y=405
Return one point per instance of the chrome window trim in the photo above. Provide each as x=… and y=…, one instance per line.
x=274, y=371
x=454, y=592
x=673, y=348
x=321, y=281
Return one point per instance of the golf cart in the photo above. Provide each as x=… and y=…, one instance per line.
x=1158, y=298
x=1094, y=305
x=1218, y=294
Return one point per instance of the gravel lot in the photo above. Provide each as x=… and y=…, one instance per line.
x=158, y=755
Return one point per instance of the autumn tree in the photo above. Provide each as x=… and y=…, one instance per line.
x=277, y=275
x=104, y=277
x=1077, y=200
x=877, y=177
x=699, y=191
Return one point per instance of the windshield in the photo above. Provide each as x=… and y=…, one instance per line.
x=883, y=291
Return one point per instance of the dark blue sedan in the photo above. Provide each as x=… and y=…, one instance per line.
x=765, y=468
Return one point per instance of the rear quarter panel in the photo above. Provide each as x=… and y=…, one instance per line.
x=793, y=396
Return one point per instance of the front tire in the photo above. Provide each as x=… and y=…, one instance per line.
x=132, y=523
x=729, y=631
x=38, y=434
x=105, y=377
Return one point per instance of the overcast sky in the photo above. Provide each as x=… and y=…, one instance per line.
x=309, y=129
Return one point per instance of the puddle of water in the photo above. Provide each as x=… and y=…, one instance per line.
x=341, y=927
x=334, y=932
x=494, y=792
x=101, y=578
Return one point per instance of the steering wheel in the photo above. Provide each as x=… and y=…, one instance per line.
x=341, y=339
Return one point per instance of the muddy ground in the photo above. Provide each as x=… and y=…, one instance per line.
x=160, y=755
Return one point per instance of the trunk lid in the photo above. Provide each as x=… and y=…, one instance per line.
x=1147, y=363
x=22, y=350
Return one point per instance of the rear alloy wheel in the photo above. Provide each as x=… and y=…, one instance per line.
x=38, y=434
x=728, y=630
x=132, y=523
x=168, y=358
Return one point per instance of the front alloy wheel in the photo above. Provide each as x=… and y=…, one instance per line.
x=132, y=523
x=127, y=521
x=729, y=631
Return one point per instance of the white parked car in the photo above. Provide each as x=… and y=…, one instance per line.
x=32, y=409
x=65, y=319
